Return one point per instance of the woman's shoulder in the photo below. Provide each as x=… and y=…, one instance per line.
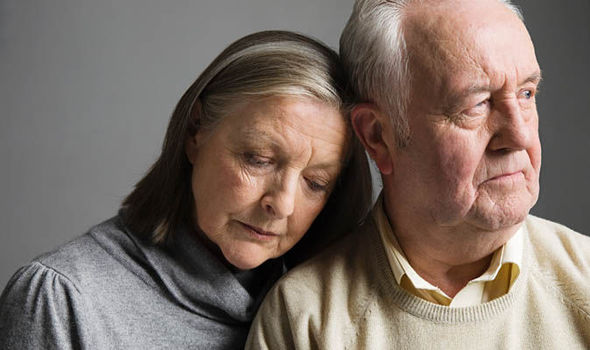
x=81, y=257
x=38, y=307
x=47, y=302
x=74, y=264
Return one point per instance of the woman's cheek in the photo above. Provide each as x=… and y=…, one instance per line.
x=239, y=183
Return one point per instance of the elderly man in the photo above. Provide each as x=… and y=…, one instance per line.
x=449, y=257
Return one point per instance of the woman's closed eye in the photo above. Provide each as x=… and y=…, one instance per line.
x=317, y=186
x=256, y=160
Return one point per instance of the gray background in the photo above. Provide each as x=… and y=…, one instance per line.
x=86, y=89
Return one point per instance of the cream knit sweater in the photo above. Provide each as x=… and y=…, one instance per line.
x=347, y=298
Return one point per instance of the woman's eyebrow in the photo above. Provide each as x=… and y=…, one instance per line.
x=258, y=136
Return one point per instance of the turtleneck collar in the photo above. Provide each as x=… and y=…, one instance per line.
x=185, y=271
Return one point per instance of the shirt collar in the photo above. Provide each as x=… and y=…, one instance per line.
x=510, y=252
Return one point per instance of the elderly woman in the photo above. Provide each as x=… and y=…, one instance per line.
x=257, y=153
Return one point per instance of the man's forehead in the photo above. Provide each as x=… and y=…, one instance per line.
x=470, y=40
x=461, y=9
x=442, y=24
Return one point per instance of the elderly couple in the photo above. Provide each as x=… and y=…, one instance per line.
x=261, y=169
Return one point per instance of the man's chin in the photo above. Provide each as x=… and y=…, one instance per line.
x=501, y=212
x=497, y=219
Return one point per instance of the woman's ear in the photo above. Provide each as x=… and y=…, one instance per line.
x=192, y=142
x=190, y=148
x=370, y=125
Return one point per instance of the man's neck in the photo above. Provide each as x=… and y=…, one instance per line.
x=447, y=257
x=450, y=278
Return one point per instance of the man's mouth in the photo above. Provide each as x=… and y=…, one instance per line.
x=507, y=176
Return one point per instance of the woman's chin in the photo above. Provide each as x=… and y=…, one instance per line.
x=245, y=260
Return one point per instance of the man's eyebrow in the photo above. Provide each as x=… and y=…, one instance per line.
x=471, y=90
x=535, y=78
x=476, y=88
x=454, y=100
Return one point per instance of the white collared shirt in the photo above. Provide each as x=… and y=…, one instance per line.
x=493, y=283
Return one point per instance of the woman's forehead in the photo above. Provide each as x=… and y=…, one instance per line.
x=290, y=125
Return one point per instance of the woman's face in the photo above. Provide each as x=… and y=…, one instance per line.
x=263, y=174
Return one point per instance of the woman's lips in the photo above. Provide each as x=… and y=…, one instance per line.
x=258, y=233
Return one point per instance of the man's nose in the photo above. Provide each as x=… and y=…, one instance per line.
x=278, y=200
x=514, y=128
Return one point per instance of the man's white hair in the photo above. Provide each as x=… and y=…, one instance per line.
x=373, y=51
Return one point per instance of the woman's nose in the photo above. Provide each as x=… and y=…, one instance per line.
x=279, y=200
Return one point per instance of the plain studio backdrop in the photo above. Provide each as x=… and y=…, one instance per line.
x=87, y=87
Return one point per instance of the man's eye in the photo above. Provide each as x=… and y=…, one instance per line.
x=528, y=94
x=482, y=103
x=256, y=160
x=478, y=110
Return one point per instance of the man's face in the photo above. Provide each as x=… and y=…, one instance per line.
x=474, y=153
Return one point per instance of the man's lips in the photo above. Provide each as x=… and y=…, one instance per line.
x=507, y=176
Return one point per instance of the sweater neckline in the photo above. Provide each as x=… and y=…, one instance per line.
x=188, y=274
x=439, y=313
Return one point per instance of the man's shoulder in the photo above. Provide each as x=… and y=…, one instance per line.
x=554, y=240
x=561, y=261
x=341, y=255
x=324, y=298
x=348, y=267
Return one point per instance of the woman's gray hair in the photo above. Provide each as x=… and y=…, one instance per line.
x=373, y=52
x=269, y=63
x=274, y=64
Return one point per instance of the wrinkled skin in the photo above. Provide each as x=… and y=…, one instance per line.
x=263, y=174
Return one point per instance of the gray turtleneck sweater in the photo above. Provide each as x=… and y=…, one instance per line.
x=109, y=289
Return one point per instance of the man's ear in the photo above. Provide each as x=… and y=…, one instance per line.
x=370, y=125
